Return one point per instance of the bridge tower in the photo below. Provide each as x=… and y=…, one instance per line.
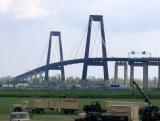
x=61, y=68
x=87, y=62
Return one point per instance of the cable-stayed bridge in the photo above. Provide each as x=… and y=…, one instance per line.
x=88, y=61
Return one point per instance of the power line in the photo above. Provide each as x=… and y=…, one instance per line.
x=43, y=54
x=78, y=49
x=94, y=39
x=80, y=39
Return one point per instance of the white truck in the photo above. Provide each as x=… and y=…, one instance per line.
x=19, y=112
x=19, y=116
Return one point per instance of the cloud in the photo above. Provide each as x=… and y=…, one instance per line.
x=27, y=9
x=4, y=5
x=121, y=15
x=120, y=43
x=24, y=9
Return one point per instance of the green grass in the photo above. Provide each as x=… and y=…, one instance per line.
x=77, y=93
x=44, y=117
x=55, y=117
x=9, y=97
x=6, y=102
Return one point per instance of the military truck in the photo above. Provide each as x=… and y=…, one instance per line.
x=62, y=105
x=19, y=116
x=39, y=106
x=67, y=106
x=129, y=110
x=19, y=112
x=121, y=111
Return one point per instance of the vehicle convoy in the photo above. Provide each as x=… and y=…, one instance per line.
x=63, y=105
x=19, y=112
x=121, y=111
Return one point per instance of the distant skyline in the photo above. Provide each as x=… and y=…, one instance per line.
x=25, y=26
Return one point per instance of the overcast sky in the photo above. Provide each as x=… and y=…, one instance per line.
x=25, y=26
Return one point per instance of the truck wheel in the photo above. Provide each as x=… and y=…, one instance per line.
x=42, y=111
x=72, y=111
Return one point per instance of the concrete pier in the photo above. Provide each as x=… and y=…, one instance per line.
x=125, y=72
x=131, y=75
x=125, y=65
x=158, y=77
x=145, y=76
x=115, y=72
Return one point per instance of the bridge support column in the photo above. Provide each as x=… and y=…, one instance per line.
x=30, y=80
x=41, y=78
x=145, y=76
x=125, y=73
x=125, y=65
x=158, y=76
x=132, y=78
x=115, y=72
x=131, y=75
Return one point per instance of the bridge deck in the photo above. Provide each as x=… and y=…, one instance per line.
x=57, y=65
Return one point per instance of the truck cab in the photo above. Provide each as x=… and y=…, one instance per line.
x=18, y=112
x=19, y=116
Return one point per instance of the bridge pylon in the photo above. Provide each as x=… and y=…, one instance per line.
x=61, y=68
x=87, y=62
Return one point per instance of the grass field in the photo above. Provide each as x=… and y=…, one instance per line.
x=10, y=97
x=77, y=93
x=44, y=117
x=6, y=102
